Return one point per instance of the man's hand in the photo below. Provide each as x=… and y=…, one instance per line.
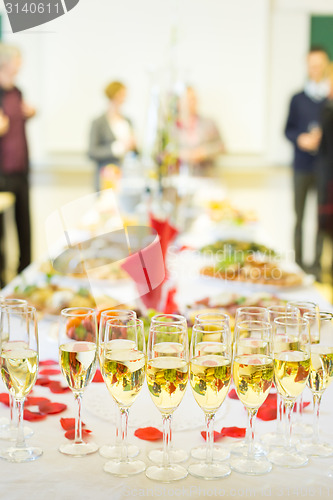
x=28, y=111
x=4, y=123
x=309, y=141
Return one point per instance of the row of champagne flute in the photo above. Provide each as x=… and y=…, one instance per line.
x=122, y=357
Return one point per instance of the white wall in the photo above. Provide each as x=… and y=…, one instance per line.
x=245, y=57
x=221, y=50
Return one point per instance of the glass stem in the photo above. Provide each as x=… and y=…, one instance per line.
x=78, y=421
x=12, y=411
x=124, y=428
x=252, y=413
x=118, y=428
x=316, y=411
x=166, y=440
x=289, y=407
x=300, y=408
x=209, y=437
x=279, y=422
x=20, y=442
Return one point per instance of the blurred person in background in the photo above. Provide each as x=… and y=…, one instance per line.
x=14, y=156
x=199, y=139
x=303, y=130
x=325, y=167
x=111, y=135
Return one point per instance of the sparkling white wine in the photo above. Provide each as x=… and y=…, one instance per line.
x=291, y=370
x=19, y=366
x=321, y=368
x=253, y=376
x=167, y=378
x=124, y=374
x=210, y=377
x=78, y=363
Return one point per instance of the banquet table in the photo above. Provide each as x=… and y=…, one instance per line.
x=56, y=476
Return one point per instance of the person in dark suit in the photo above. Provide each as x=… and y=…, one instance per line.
x=111, y=135
x=303, y=130
x=14, y=156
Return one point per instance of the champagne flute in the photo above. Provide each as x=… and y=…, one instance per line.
x=219, y=453
x=122, y=359
x=299, y=427
x=167, y=376
x=253, y=371
x=291, y=350
x=19, y=369
x=210, y=377
x=107, y=450
x=77, y=359
x=177, y=455
x=249, y=313
x=8, y=429
x=274, y=438
x=321, y=375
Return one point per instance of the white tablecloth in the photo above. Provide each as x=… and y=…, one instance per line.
x=55, y=476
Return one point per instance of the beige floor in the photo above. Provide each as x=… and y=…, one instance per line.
x=266, y=191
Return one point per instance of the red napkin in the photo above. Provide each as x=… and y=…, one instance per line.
x=149, y=434
x=98, y=377
x=170, y=304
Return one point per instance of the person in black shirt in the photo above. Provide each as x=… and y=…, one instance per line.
x=303, y=130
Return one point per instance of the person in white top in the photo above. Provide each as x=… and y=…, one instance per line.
x=111, y=135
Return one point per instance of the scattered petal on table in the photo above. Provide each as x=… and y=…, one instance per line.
x=49, y=371
x=267, y=413
x=235, y=432
x=57, y=388
x=69, y=423
x=148, y=433
x=33, y=401
x=71, y=433
x=233, y=394
x=31, y=415
x=48, y=362
x=51, y=408
x=217, y=435
x=43, y=381
x=4, y=398
x=98, y=377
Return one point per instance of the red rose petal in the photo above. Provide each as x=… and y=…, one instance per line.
x=32, y=401
x=71, y=433
x=233, y=394
x=4, y=398
x=43, y=381
x=148, y=433
x=48, y=362
x=57, y=388
x=33, y=416
x=305, y=404
x=267, y=413
x=69, y=423
x=98, y=377
x=51, y=408
x=217, y=435
x=235, y=432
x=49, y=371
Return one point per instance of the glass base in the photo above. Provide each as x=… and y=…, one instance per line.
x=288, y=458
x=124, y=469
x=219, y=454
x=209, y=471
x=256, y=466
x=9, y=433
x=174, y=472
x=78, y=449
x=176, y=456
x=17, y=455
x=242, y=448
x=316, y=449
x=114, y=451
x=301, y=429
x=275, y=439
x=4, y=422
